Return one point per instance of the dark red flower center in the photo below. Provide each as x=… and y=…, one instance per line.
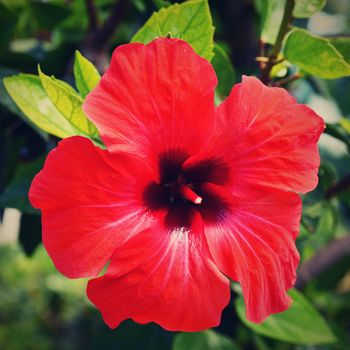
x=184, y=191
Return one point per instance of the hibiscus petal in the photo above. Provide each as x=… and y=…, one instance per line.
x=253, y=244
x=154, y=98
x=267, y=138
x=165, y=276
x=91, y=204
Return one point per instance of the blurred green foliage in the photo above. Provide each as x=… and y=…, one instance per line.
x=300, y=324
x=39, y=309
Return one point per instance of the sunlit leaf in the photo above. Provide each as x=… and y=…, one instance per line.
x=191, y=20
x=345, y=123
x=315, y=55
x=206, y=340
x=307, y=8
x=85, y=73
x=271, y=14
x=68, y=102
x=26, y=90
x=300, y=324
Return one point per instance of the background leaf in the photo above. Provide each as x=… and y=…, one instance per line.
x=191, y=20
x=315, y=55
x=206, y=340
x=224, y=71
x=68, y=102
x=342, y=44
x=271, y=13
x=47, y=15
x=7, y=27
x=327, y=174
x=26, y=90
x=85, y=73
x=307, y=8
x=300, y=324
x=345, y=123
x=15, y=194
x=327, y=221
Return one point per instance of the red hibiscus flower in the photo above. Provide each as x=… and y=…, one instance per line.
x=185, y=197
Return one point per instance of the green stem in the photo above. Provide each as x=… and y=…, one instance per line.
x=284, y=29
x=287, y=80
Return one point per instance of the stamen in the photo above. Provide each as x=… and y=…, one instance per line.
x=190, y=195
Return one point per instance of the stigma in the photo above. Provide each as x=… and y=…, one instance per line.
x=187, y=193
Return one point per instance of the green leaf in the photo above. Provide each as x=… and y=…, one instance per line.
x=271, y=14
x=7, y=27
x=10, y=104
x=162, y=3
x=330, y=278
x=300, y=324
x=307, y=8
x=68, y=102
x=327, y=222
x=85, y=73
x=315, y=55
x=206, y=340
x=26, y=90
x=345, y=123
x=46, y=15
x=342, y=44
x=224, y=71
x=280, y=70
x=327, y=174
x=15, y=194
x=191, y=19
